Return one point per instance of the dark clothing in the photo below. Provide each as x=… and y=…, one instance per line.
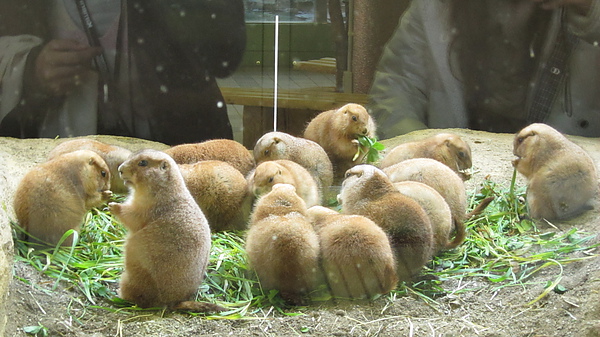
x=176, y=49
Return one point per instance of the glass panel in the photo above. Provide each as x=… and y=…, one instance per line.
x=288, y=10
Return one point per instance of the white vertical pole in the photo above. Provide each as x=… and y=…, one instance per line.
x=276, y=70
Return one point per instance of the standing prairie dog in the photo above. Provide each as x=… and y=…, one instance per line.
x=113, y=156
x=443, y=179
x=168, y=241
x=446, y=148
x=367, y=191
x=337, y=131
x=221, y=191
x=562, y=178
x=282, y=171
x=436, y=208
x=356, y=256
x=280, y=145
x=282, y=245
x=226, y=150
x=55, y=196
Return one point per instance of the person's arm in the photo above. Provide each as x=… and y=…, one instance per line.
x=399, y=92
x=583, y=17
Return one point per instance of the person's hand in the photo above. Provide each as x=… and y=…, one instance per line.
x=581, y=6
x=61, y=64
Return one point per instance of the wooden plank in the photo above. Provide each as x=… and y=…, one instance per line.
x=325, y=65
x=313, y=98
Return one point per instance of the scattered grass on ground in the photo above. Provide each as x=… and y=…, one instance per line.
x=504, y=248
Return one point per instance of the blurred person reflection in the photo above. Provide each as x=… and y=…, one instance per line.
x=144, y=69
x=491, y=65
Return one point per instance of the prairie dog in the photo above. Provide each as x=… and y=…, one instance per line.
x=443, y=179
x=367, y=191
x=168, y=241
x=356, y=256
x=221, y=191
x=337, y=131
x=283, y=171
x=562, y=178
x=280, y=145
x=55, y=196
x=226, y=150
x=447, y=148
x=436, y=208
x=113, y=156
x=282, y=245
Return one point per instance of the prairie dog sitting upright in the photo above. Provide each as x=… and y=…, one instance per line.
x=337, y=131
x=562, y=178
x=113, y=156
x=443, y=179
x=226, y=150
x=54, y=196
x=282, y=171
x=222, y=193
x=447, y=148
x=280, y=145
x=368, y=191
x=282, y=245
x=356, y=256
x=168, y=241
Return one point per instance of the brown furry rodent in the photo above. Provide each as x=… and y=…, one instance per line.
x=280, y=145
x=447, y=148
x=55, y=196
x=283, y=171
x=168, y=241
x=337, y=131
x=367, y=191
x=356, y=256
x=226, y=150
x=436, y=208
x=443, y=179
x=221, y=191
x=562, y=178
x=282, y=245
x=113, y=156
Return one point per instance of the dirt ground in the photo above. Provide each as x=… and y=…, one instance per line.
x=475, y=313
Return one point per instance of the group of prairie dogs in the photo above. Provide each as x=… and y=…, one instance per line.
x=394, y=218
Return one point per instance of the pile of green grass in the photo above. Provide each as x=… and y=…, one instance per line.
x=503, y=247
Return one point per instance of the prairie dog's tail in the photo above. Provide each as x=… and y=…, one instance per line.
x=459, y=224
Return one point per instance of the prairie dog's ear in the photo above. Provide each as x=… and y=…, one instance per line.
x=164, y=165
x=276, y=140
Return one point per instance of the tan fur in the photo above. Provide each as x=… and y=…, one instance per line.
x=562, y=178
x=221, y=191
x=55, y=196
x=447, y=148
x=282, y=246
x=113, y=156
x=168, y=241
x=337, y=132
x=226, y=150
x=309, y=154
x=443, y=179
x=269, y=173
x=436, y=208
x=356, y=256
x=367, y=191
